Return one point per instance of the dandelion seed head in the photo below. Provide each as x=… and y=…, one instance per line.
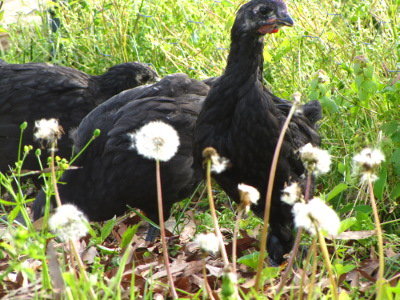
x=291, y=194
x=155, y=140
x=68, y=222
x=315, y=159
x=367, y=176
x=368, y=159
x=325, y=216
x=218, y=164
x=248, y=195
x=302, y=218
x=47, y=130
x=296, y=98
x=317, y=210
x=208, y=242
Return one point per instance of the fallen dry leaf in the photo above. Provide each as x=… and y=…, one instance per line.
x=356, y=235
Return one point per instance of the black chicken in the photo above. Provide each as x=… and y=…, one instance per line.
x=112, y=174
x=29, y=92
x=242, y=120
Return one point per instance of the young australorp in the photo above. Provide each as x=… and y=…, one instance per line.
x=33, y=91
x=242, y=120
x=112, y=174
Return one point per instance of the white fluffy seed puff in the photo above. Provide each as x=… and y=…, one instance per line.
x=47, y=130
x=248, y=195
x=369, y=159
x=324, y=216
x=218, y=164
x=291, y=194
x=315, y=159
x=155, y=140
x=68, y=223
x=208, y=242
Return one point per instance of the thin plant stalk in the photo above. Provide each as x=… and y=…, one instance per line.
x=96, y=133
x=310, y=252
x=206, y=285
x=296, y=245
x=214, y=215
x=381, y=269
x=234, y=242
x=268, y=197
x=162, y=230
x=325, y=254
x=314, y=269
x=53, y=175
x=291, y=260
x=81, y=266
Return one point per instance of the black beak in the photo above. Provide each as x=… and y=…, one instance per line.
x=285, y=21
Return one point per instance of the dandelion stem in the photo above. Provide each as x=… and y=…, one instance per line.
x=214, y=215
x=81, y=266
x=325, y=254
x=53, y=175
x=206, y=285
x=296, y=245
x=308, y=187
x=381, y=270
x=162, y=230
x=234, y=242
x=268, y=197
x=291, y=260
x=314, y=269
x=310, y=252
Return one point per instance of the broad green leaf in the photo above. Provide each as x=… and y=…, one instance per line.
x=128, y=235
x=250, y=260
x=396, y=161
x=107, y=228
x=343, y=269
x=269, y=273
x=13, y=214
x=346, y=224
x=396, y=192
x=366, y=209
x=336, y=191
x=380, y=183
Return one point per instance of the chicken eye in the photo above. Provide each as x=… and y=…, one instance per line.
x=264, y=11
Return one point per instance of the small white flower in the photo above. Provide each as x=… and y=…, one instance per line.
x=156, y=140
x=68, y=223
x=315, y=159
x=208, y=242
x=47, y=130
x=291, y=194
x=324, y=216
x=369, y=159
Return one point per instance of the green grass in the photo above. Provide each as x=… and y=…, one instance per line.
x=193, y=37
